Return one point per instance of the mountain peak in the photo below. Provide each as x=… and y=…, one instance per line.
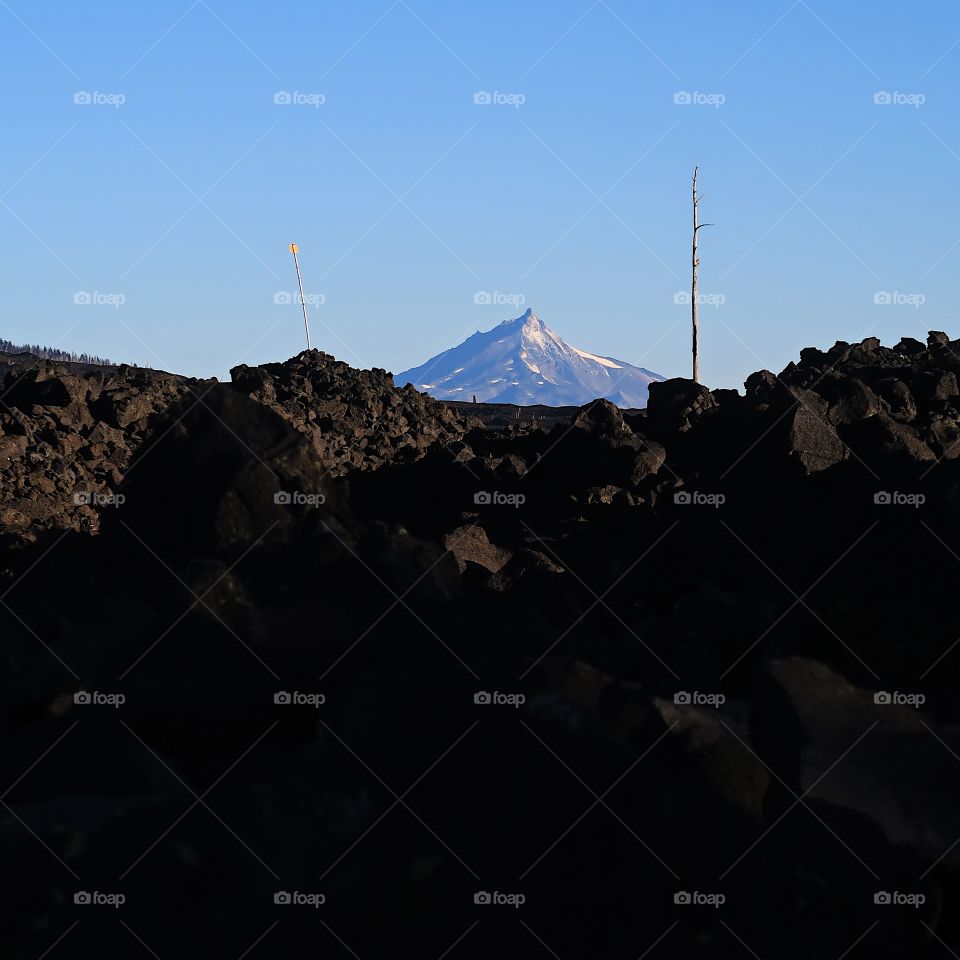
x=529, y=317
x=523, y=361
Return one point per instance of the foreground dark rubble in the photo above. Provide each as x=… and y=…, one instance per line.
x=716, y=638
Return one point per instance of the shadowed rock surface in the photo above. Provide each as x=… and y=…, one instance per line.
x=356, y=420
x=371, y=648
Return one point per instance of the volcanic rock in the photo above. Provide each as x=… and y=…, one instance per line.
x=861, y=750
x=356, y=420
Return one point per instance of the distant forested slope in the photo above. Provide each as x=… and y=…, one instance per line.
x=52, y=353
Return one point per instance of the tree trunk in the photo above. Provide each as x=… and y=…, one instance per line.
x=693, y=286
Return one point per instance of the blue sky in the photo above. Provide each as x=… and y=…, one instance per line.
x=169, y=200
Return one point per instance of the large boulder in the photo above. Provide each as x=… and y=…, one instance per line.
x=675, y=404
x=812, y=442
x=932, y=385
x=897, y=397
x=864, y=751
x=850, y=399
x=765, y=391
x=717, y=740
x=650, y=458
x=883, y=437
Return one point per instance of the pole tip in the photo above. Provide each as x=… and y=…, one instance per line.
x=294, y=248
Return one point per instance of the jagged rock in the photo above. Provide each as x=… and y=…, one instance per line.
x=910, y=346
x=897, y=396
x=676, y=403
x=471, y=543
x=650, y=458
x=765, y=391
x=727, y=398
x=12, y=447
x=944, y=437
x=12, y=519
x=603, y=418
x=888, y=437
x=935, y=385
x=510, y=467
x=610, y=494
x=811, y=440
x=528, y=567
x=850, y=399
x=887, y=761
x=461, y=452
x=812, y=357
x=718, y=741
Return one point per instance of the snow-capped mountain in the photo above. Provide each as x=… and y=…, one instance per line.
x=523, y=361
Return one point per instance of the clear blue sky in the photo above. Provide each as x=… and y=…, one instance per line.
x=408, y=198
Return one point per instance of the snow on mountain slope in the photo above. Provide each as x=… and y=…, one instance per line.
x=523, y=361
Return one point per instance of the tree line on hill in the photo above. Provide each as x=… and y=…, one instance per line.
x=52, y=353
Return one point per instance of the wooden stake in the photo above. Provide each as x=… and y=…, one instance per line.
x=294, y=249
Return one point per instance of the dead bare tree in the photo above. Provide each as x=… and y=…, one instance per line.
x=693, y=287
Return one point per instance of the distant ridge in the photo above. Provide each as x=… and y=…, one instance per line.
x=52, y=353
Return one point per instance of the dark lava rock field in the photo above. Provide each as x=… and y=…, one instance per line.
x=306, y=665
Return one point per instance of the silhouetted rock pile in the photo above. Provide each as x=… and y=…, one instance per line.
x=355, y=419
x=67, y=433
x=681, y=680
